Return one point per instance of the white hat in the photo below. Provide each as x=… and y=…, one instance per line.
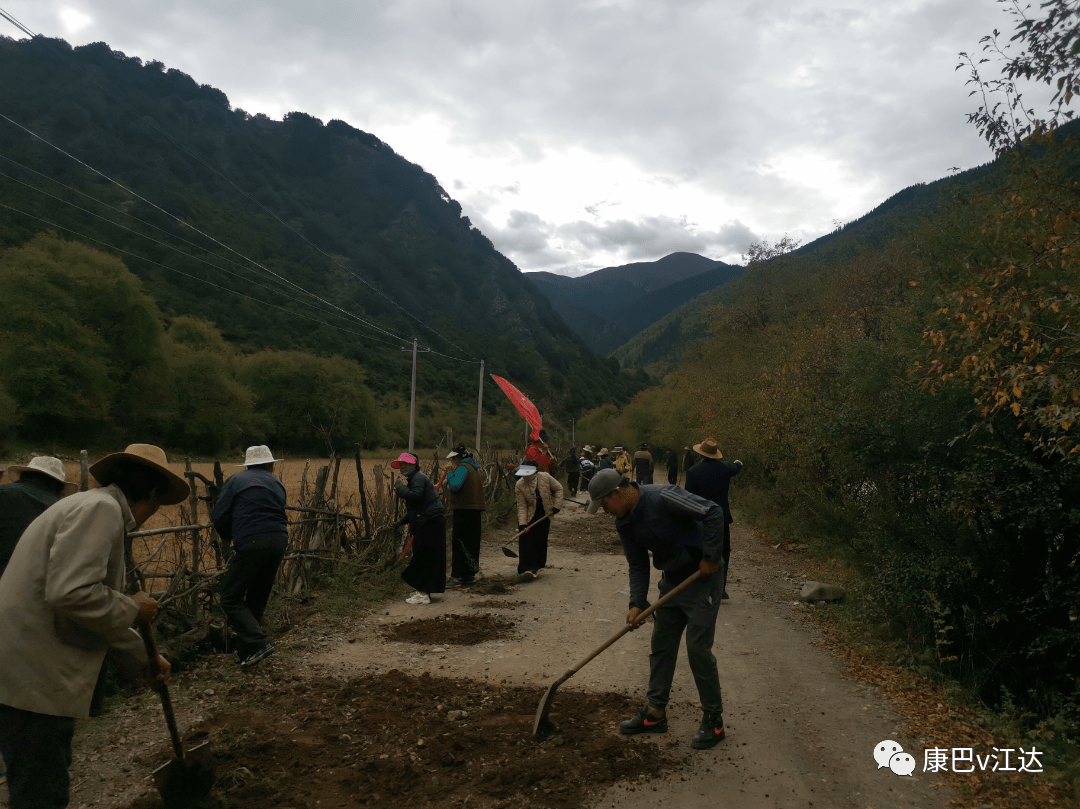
x=258, y=455
x=526, y=469
x=46, y=465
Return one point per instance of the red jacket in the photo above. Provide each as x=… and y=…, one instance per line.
x=538, y=457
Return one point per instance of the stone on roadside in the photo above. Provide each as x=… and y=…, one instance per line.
x=453, y=716
x=819, y=591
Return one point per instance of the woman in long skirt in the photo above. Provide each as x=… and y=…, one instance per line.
x=424, y=514
x=538, y=495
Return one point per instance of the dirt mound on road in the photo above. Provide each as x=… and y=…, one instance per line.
x=386, y=741
x=460, y=630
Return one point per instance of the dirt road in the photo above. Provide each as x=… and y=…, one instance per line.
x=359, y=711
x=800, y=733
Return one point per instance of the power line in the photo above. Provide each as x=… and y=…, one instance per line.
x=152, y=124
x=153, y=240
x=189, y=275
x=197, y=230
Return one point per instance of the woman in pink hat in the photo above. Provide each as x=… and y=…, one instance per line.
x=424, y=514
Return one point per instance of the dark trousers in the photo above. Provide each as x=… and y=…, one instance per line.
x=693, y=610
x=465, y=544
x=246, y=588
x=427, y=568
x=37, y=750
x=726, y=553
x=673, y=477
x=533, y=544
x=572, y=479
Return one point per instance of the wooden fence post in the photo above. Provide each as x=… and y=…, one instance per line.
x=363, y=493
x=193, y=507
x=84, y=471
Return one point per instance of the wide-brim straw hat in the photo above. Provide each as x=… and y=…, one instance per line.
x=404, y=458
x=254, y=456
x=603, y=452
x=45, y=465
x=154, y=457
x=709, y=449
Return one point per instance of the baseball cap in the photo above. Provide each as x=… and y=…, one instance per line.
x=603, y=483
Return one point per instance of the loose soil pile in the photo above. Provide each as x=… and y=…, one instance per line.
x=460, y=630
x=496, y=604
x=386, y=741
x=585, y=535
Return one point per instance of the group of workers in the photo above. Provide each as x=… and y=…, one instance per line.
x=65, y=602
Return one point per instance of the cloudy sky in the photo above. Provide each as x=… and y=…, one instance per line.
x=579, y=135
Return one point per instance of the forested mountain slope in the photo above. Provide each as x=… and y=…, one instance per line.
x=609, y=306
x=370, y=233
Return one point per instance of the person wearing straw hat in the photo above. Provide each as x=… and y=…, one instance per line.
x=684, y=534
x=63, y=607
x=539, y=497
x=603, y=459
x=426, y=572
x=33, y=488
x=711, y=478
x=250, y=515
x=466, y=499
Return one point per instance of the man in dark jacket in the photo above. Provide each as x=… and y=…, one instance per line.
x=711, y=479
x=466, y=499
x=684, y=533
x=250, y=513
x=643, y=465
x=35, y=487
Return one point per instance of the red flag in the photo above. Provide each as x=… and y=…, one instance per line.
x=526, y=408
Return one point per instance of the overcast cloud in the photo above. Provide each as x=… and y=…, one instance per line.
x=578, y=135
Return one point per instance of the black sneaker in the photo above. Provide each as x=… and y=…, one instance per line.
x=644, y=723
x=257, y=657
x=451, y=583
x=710, y=732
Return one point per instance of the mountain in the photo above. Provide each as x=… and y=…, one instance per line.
x=609, y=306
x=327, y=210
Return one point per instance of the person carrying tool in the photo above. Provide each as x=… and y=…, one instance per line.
x=63, y=607
x=466, y=499
x=539, y=497
x=684, y=533
x=250, y=514
x=426, y=572
x=538, y=453
x=711, y=478
x=33, y=489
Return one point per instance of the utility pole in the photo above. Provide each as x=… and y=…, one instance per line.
x=480, y=405
x=412, y=399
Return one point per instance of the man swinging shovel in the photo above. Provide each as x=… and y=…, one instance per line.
x=685, y=534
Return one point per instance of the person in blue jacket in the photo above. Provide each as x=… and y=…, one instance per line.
x=250, y=515
x=683, y=533
x=426, y=572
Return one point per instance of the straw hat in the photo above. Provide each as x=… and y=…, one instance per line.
x=709, y=449
x=404, y=458
x=154, y=457
x=258, y=455
x=603, y=452
x=46, y=465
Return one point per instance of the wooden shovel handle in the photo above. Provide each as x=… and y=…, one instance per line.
x=150, y=642
x=528, y=527
x=627, y=627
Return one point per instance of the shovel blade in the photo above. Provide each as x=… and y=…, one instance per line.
x=185, y=783
x=542, y=726
x=507, y=552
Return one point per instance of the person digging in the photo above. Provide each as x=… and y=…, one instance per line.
x=684, y=533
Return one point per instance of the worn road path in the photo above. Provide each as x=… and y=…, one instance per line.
x=799, y=731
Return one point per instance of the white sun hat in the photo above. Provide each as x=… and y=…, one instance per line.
x=46, y=465
x=258, y=455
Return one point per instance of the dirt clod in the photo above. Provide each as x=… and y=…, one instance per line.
x=461, y=630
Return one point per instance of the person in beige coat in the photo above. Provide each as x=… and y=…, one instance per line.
x=63, y=607
x=539, y=496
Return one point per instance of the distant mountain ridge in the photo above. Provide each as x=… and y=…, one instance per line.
x=607, y=307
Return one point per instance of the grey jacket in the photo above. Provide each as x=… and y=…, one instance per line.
x=62, y=605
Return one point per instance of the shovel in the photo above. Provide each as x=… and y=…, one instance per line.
x=509, y=552
x=513, y=554
x=542, y=725
x=185, y=781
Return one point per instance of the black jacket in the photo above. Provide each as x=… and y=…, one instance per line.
x=251, y=506
x=710, y=478
x=421, y=500
x=21, y=503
